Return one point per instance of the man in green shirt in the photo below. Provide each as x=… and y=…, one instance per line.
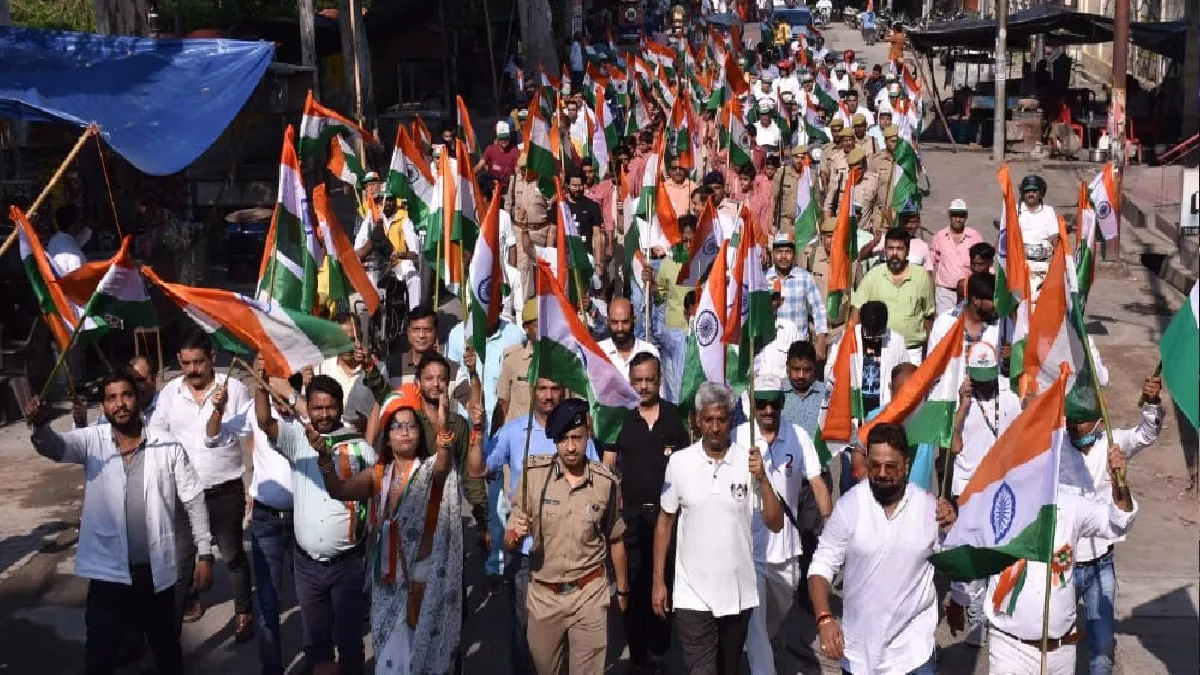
x=906, y=289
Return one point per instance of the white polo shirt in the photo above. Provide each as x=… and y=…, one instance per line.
x=789, y=462
x=715, y=502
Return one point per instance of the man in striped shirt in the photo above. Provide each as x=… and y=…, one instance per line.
x=801, y=297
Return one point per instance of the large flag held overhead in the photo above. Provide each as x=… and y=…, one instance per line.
x=926, y=403
x=1007, y=511
x=288, y=273
x=1105, y=199
x=60, y=314
x=486, y=278
x=1057, y=337
x=111, y=292
x=708, y=355
x=346, y=272
x=1180, y=348
x=409, y=178
x=567, y=353
x=287, y=340
x=320, y=124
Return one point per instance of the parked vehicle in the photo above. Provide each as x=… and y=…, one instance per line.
x=799, y=19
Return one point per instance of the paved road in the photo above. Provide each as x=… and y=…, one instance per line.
x=41, y=616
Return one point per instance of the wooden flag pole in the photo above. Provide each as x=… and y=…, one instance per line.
x=58, y=173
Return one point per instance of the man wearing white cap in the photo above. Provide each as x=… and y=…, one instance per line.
x=767, y=133
x=500, y=158
x=986, y=407
x=840, y=78
x=949, y=258
x=789, y=459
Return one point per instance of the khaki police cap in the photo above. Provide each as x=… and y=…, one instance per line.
x=801, y=149
x=846, y=132
x=891, y=131
x=836, y=123
x=858, y=119
x=855, y=156
x=829, y=225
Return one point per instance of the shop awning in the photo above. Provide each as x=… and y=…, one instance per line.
x=1061, y=26
x=159, y=103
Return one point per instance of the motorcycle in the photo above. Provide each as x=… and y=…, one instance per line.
x=821, y=18
x=850, y=17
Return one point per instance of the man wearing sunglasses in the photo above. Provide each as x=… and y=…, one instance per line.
x=789, y=460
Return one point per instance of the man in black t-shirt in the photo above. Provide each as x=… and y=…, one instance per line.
x=587, y=217
x=651, y=433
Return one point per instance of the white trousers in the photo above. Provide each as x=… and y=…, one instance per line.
x=945, y=299
x=777, y=583
x=407, y=272
x=1009, y=656
x=916, y=355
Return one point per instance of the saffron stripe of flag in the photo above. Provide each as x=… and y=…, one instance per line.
x=346, y=272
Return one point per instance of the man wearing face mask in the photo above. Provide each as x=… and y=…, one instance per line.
x=1084, y=470
x=906, y=289
x=986, y=407
x=880, y=536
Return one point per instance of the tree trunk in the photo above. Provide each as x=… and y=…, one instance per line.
x=356, y=59
x=537, y=37
x=5, y=16
x=122, y=17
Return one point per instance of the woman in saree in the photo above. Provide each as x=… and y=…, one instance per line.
x=416, y=539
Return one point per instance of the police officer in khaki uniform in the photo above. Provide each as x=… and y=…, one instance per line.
x=530, y=212
x=787, y=182
x=870, y=195
x=838, y=169
x=572, y=511
x=513, y=393
x=832, y=150
x=881, y=161
x=861, y=140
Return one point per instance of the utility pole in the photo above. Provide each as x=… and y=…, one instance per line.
x=1116, y=111
x=1000, y=77
x=308, y=42
x=5, y=16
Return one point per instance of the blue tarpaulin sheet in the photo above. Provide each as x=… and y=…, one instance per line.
x=159, y=103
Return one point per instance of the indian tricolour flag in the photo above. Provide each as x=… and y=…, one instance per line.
x=1007, y=511
x=904, y=176
x=751, y=322
x=733, y=136
x=705, y=245
x=346, y=272
x=603, y=135
x=1103, y=189
x=845, y=410
x=926, y=403
x=1085, y=252
x=808, y=213
x=574, y=269
x=287, y=340
x=320, y=124
x=486, y=277
x=648, y=188
x=567, y=353
x=466, y=128
x=1180, y=348
x=1012, y=273
x=344, y=163
x=708, y=356
x=111, y=292
x=60, y=314
x=288, y=273
x=409, y=178
x=1057, y=337
x=540, y=149
x=843, y=249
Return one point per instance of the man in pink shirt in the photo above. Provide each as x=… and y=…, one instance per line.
x=602, y=193
x=637, y=165
x=949, y=259
x=756, y=196
x=679, y=187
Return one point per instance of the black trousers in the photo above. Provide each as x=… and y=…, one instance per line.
x=712, y=645
x=226, y=505
x=112, y=609
x=648, y=636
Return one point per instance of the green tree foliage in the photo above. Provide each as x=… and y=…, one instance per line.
x=194, y=14
x=63, y=14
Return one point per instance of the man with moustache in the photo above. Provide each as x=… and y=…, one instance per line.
x=980, y=322
x=623, y=346
x=507, y=449
x=790, y=461
x=880, y=537
x=330, y=566
x=572, y=513
x=210, y=418
x=652, y=432
x=135, y=476
x=906, y=289
x=714, y=487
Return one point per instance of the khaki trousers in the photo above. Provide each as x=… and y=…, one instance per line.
x=539, y=235
x=576, y=622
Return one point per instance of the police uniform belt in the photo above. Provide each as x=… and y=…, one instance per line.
x=570, y=586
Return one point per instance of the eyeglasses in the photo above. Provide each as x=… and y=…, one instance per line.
x=404, y=426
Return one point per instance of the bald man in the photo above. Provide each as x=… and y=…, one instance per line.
x=623, y=346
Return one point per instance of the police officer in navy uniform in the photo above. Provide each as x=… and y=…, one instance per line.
x=571, y=508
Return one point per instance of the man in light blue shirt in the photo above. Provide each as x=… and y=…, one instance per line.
x=507, y=448
x=505, y=336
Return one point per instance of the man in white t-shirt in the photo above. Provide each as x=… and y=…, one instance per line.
x=713, y=487
x=65, y=247
x=789, y=459
x=986, y=407
x=623, y=346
